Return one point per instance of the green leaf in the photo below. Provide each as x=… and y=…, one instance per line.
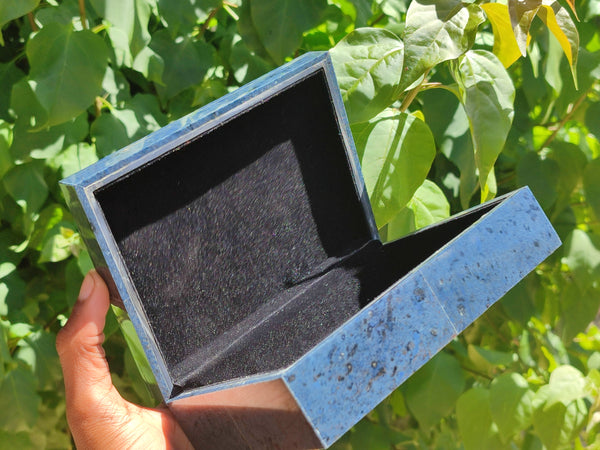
x=557, y=424
x=582, y=256
x=67, y=69
x=510, y=404
x=248, y=31
x=432, y=392
x=182, y=15
x=506, y=47
x=450, y=126
x=487, y=360
x=186, y=62
x=129, y=16
x=9, y=75
x=591, y=184
x=74, y=158
x=372, y=436
x=436, y=32
x=140, y=116
x=475, y=420
x=579, y=307
x=396, y=151
x=368, y=66
x=13, y=9
x=26, y=185
x=6, y=138
x=487, y=94
x=541, y=175
x=559, y=22
x=38, y=350
x=521, y=15
x=10, y=440
x=18, y=400
x=246, y=64
x=280, y=23
x=428, y=206
x=59, y=243
x=30, y=113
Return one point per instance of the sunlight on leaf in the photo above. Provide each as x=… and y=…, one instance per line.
x=396, y=151
x=368, y=65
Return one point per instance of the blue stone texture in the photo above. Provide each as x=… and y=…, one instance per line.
x=360, y=364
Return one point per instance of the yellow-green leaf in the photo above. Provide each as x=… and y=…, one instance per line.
x=505, y=43
x=559, y=22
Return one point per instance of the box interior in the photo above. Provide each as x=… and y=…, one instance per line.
x=249, y=244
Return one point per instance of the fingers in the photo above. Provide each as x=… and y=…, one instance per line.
x=79, y=346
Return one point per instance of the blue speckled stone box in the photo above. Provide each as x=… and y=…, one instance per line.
x=241, y=242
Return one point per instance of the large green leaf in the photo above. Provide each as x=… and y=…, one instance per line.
x=432, y=392
x=510, y=404
x=186, y=62
x=591, y=184
x=131, y=17
x=582, y=256
x=579, y=308
x=475, y=421
x=18, y=400
x=182, y=15
x=9, y=75
x=72, y=159
x=437, y=31
x=396, y=151
x=26, y=185
x=428, y=206
x=487, y=94
x=280, y=23
x=12, y=9
x=521, y=15
x=559, y=409
x=67, y=69
x=368, y=66
x=11, y=440
x=541, y=175
x=6, y=137
x=38, y=350
x=140, y=116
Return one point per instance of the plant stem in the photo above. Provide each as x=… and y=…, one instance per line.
x=82, y=14
x=413, y=93
x=212, y=14
x=34, y=26
x=564, y=120
x=378, y=19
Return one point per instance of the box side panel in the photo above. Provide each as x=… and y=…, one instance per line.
x=98, y=239
x=348, y=374
x=478, y=268
x=72, y=196
x=259, y=415
x=343, y=378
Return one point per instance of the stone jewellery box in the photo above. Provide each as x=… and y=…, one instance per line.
x=241, y=242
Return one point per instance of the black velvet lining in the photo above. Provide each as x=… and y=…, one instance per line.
x=249, y=245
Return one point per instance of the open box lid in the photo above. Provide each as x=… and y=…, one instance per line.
x=217, y=223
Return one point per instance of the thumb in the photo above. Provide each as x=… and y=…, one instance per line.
x=79, y=346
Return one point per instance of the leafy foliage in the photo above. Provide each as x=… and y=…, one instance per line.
x=450, y=103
